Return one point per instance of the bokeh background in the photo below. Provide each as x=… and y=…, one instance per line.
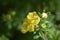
x=13, y=12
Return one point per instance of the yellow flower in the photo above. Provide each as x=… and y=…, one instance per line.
x=33, y=17
x=43, y=25
x=30, y=22
x=44, y=15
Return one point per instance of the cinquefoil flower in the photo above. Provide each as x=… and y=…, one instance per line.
x=30, y=22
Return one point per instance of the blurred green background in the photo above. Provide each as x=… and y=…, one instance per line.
x=10, y=27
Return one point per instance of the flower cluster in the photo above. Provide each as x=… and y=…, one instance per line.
x=30, y=22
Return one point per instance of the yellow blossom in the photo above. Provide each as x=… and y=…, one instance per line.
x=44, y=15
x=30, y=22
x=43, y=25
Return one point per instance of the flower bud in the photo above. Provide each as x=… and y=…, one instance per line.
x=43, y=25
x=44, y=15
